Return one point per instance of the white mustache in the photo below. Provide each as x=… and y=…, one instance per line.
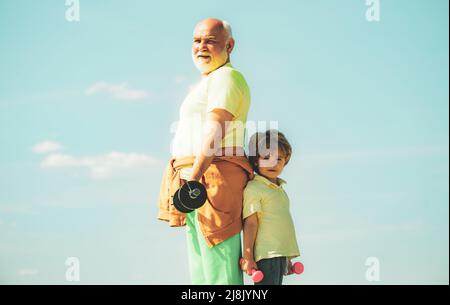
x=203, y=54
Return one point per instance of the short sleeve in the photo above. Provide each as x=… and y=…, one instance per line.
x=252, y=202
x=225, y=91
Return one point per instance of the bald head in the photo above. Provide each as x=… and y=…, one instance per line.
x=212, y=44
x=216, y=24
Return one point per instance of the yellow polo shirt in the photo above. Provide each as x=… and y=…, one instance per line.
x=224, y=88
x=276, y=232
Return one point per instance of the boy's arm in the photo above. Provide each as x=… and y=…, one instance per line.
x=250, y=231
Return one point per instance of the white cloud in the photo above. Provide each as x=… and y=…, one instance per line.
x=28, y=272
x=16, y=209
x=100, y=166
x=117, y=91
x=46, y=147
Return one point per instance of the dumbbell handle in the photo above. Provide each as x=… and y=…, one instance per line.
x=257, y=275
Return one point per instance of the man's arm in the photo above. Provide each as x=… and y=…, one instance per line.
x=216, y=119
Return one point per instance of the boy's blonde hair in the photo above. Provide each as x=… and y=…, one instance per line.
x=265, y=138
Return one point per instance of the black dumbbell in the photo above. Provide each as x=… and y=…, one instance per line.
x=190, y=196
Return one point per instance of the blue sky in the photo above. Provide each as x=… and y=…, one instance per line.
x=86, y=109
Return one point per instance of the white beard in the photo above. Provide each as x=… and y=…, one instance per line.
x=212, y=65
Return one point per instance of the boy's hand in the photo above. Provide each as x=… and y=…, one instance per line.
x=248, y=265
x=289, y=267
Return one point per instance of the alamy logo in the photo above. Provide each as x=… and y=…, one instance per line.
x=373, y=10
x=73, y=270
x=373, y=270
x=73, y=10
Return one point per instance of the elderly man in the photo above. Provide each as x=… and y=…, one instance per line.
x=208, y=147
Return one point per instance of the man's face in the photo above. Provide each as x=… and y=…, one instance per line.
x=211, y=47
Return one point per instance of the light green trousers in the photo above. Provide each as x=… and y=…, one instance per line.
x=218, y=265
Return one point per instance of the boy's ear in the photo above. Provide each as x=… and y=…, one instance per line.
x=287, y=160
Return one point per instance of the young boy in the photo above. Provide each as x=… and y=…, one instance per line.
x=269, y=235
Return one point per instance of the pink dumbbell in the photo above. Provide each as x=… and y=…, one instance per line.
x=298, y=268
x=257, y=275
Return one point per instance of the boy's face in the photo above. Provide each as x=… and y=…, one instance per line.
x=277, y=160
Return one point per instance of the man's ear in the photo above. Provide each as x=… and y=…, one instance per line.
x=230, y=45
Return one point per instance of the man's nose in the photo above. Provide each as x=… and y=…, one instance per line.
x=202, y=46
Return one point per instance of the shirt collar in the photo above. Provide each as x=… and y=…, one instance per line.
x=270, y=183
x=204, y=77
x=228, y=64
